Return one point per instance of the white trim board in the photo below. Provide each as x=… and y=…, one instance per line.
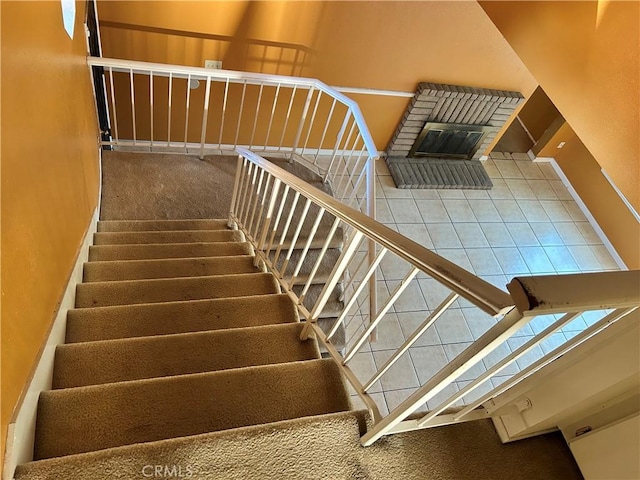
x=99, y=207
x=526, y=130
x=192, y=148
x=633, y=211
x=374, y=91
x=21, y=429
x=584, y=209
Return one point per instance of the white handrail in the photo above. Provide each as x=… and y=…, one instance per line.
x=478, y=291
x=546, y=294
x=532, y=296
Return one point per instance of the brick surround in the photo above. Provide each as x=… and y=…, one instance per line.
x=450, y=104
x=453, y=104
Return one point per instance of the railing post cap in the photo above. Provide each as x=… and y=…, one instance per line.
x=520, y=295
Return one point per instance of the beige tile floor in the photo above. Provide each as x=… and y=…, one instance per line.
x=528, y=224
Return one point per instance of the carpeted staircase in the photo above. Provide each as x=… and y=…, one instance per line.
x=175, y=333
x=168, y=372
x=157, y=186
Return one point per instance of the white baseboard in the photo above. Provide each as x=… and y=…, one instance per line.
x=21, y=429
x=99, y=207
x=585, y=210
x=622, y=196
x=540, y=159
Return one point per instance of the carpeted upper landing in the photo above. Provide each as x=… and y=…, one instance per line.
x=154, y=186
x=165, y=186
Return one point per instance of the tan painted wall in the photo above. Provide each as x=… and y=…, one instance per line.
x=538, y=113
x=49, y=176
x=584, y=173
x=586, y=57
x=384, y=45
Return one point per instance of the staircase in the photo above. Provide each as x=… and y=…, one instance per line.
x=175, y=334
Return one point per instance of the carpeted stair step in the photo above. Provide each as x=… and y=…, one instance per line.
x=322, y=232
x=328, y=316
x=127, y=292
x=324, y=270
x=171, y=236
x=84, y=419
x=339, y=338
x=107, y=361
x=301, y=171
x=167, y=268
x=235, y=454
x=160, y=225
x=125, y=321
x=168, y=250
x=318, y=241
x=332, y=308
x=331, y=311
x=323, y=228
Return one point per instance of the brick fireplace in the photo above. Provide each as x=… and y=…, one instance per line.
x=455, y=117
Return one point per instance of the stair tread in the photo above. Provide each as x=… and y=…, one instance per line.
x=125, y=321
x=168, y=250
x=123, y=292
x=334, y=305
x=108, y=361
x=153, y=225
x=98, y=271
x=83, y=419
x=339, y=338
x=324, y=270
x=319, y=238
x=167, y=236
x=318, y=241
x=221, y=447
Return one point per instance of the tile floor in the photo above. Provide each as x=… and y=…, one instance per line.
x=528, y=224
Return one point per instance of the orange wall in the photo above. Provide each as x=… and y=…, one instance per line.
x=384, y=45
x=584, y=173
x=123, y=128
x=49, y=176
x=586, y=57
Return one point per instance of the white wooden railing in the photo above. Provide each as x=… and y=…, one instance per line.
x=264, y=191
x=172, y=108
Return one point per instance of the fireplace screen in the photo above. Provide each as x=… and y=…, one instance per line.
x=449, y=140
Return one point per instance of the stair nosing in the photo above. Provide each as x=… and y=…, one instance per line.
x=168, y=336
x=139, y=305
x=166, y=231
x=168, y=244
x=222, y=224
x=141, y=220
x=167, y=279
x=168, y=259
x=174, y=378
x=123, y=448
